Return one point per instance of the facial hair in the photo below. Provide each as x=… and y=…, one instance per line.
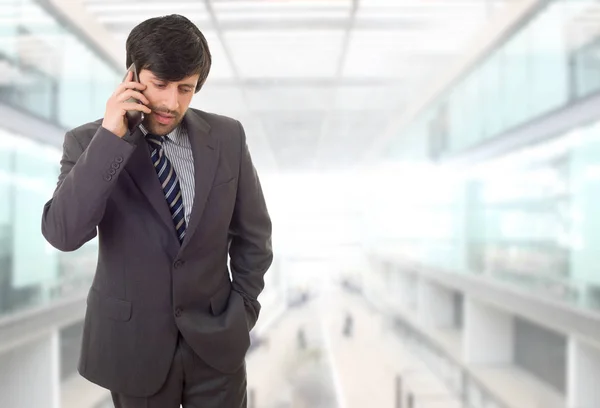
x=157, y=128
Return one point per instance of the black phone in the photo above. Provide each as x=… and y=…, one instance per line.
x=134, y=118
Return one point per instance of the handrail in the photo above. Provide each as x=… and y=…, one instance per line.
x=33, y=322
x=559, y=315
x=467, y=376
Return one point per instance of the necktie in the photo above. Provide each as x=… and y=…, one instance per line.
x=169, y=182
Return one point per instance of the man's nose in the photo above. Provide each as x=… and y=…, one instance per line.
x=172, y=99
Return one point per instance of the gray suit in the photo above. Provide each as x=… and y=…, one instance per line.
x=148, y=288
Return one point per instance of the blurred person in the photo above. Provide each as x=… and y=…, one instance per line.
x=348, y=325
x=169, y=201
x=301, y=338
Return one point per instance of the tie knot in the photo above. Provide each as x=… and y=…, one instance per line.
x=155, y=141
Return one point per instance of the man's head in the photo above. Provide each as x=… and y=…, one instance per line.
x=173, y=60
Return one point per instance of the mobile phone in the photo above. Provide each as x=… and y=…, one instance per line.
x=134, y=118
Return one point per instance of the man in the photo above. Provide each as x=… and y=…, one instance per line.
x=169, y=201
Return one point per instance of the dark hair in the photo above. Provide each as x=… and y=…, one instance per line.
x=172, y=47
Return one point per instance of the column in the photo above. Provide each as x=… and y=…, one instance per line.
x=435, y=305
x=488, y=334
x=406, y=290
x=583, y=375
x=30, y=374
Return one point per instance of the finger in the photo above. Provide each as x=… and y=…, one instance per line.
x=134, y=85
x=130, y=93
x=128, y=106
x=129, y=85
x=128, y=78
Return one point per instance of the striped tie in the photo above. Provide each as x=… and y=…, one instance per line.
x=170, y=183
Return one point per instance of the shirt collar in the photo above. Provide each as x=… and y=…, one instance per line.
x=175, y=135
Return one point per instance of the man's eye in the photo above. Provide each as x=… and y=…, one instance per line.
x=159, y=85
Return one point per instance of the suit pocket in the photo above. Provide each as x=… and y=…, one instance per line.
x=112, y=308
x=219, y=301
x=222, y=182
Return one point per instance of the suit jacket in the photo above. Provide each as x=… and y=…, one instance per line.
x=148, y=287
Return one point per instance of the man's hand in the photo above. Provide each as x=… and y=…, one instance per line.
x=117, y=105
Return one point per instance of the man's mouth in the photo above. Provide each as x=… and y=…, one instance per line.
x=164, y=118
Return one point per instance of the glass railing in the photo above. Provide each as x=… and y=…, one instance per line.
x=32, y=273
x=528, y=219
x=49, y=71
x=457, y=378
x=548, y=62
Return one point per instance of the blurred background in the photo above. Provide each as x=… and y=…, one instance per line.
x=432, y=169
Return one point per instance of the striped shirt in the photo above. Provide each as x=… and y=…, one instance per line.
x=178, y=150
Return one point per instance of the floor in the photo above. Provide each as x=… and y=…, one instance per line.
x=339, y=365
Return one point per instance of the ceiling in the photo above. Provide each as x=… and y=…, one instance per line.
x=313, y=81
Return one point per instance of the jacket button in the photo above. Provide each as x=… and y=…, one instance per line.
x=178, y=312
x=178, y=264
x=119, y=159
x=107, y=177
x=115, y=165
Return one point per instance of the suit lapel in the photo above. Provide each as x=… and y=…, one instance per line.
x=205, y=150
x=142, y=172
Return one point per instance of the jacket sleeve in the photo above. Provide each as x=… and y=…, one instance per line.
x=250, y=252
x=87, y=178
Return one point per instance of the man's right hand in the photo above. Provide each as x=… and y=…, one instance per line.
x=116, y=106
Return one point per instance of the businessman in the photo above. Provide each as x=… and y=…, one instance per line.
x=169, y=201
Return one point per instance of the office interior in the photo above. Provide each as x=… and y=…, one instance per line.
x=431, y=168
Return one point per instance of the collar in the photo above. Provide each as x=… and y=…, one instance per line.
x=176, y=135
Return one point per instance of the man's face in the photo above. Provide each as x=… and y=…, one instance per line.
x=168, y=100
